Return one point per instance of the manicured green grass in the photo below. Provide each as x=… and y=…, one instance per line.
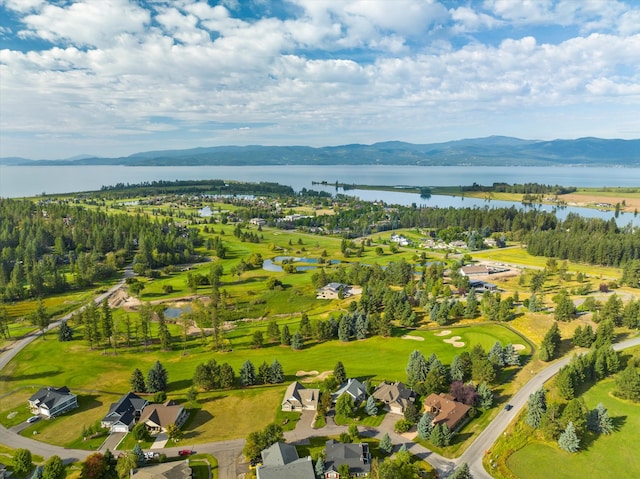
x=615, y=455
x=129, y=442
x=204, y=459
x=101, y=379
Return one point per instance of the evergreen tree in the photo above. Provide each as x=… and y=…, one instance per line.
x=510, y=355
x=425, y=426
x=471, y=308
x=319, y=469
x=247, y=373
x=106, y=322
x=340, y=373
x=461, y=472
x=536, y=407
x=605, y=423
x=264, y=372
x=370, y=407
x=446, y=435
x=362, y=326
x=417, y=368
x=163, y=332
x=273, y=331
x=628, y=383
x=344, y=328
x=436, y=437
x=386, y=445
x=141, y=460
x=65, y=332
x=157, y=378
x=550, y=343
x=495, y=355
x=297, y=342
x=455, y=370
x=305, y=326
x=285, y=337
x=277, y=373
x=137, y=382
x=485, y=396
x=568, y=440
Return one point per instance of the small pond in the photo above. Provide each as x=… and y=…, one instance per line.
x=174, y=312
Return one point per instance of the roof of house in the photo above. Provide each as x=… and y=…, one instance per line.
x=296, y=392
x=124, y=410
x=281, y=461
x=474, y=269
x=279, y=454
x=167, y=470
x=390, y=393
x=356, y=456
x=353, y=387
x=448, y=411
x=334, y=287
x=161, y=414
x=50, y=397
x=298, y=469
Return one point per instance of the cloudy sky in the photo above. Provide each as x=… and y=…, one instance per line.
x=113, y=77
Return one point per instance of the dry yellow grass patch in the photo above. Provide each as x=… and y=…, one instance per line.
x=233, y=414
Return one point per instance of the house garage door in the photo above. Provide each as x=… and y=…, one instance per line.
x=119, y=428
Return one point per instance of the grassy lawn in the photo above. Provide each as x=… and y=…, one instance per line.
x=101, y=379
x=129, y=442
x=203, y=462
x=522, y=453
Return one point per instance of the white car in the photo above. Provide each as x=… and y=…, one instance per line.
x=33, y=419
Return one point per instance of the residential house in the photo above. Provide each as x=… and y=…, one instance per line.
x=352, y=387
x=167, y=470
x=400, y=239
x=356, y=456
x=482, y=286
x=333, y=291
x=298, y=398
x=445, y=410
x=158, y=416
x=281, y=461
x=396, y=396
x=51, y=402
x=124, y=414
x=258, y=221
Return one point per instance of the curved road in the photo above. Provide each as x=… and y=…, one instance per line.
x=227, y=452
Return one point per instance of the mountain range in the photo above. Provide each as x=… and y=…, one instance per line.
x=489, y=151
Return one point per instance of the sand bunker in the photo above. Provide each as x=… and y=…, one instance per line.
x=415, y=338
x=444, y=332
x=454, y=341
x=519, y=347
x=306, y=373
x=324, y=375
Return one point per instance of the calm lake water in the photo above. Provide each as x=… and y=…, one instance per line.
x=17, y=181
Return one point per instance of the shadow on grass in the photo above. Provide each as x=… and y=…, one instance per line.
x=196, y=419
x=180, y=385
x=43, y=374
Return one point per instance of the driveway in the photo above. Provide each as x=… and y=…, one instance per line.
x=112, y=441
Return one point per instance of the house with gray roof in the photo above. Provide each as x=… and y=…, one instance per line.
x=299, y=398
x=51, y=402
x=353, y=388
x=395, y=396
x=356, y=456
x=167, y=470
x=124, y=414
x=281, y=461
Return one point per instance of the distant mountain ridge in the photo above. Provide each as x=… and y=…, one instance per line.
x=488, y=151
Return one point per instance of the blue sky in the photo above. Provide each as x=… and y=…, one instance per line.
x=114, y=77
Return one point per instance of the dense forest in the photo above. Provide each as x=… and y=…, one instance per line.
x=39, y=241
x=46, y=244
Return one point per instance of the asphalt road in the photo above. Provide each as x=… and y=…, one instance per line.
x=228, y=452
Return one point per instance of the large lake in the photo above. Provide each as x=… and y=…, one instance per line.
x=17, y=181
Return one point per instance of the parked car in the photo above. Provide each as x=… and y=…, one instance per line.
x=33, y=419
x=508, y=407
x=185, y=452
